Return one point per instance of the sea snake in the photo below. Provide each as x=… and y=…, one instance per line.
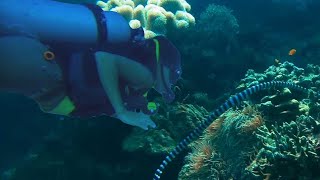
x=233, y=101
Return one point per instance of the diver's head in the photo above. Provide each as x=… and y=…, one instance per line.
x=168, y=67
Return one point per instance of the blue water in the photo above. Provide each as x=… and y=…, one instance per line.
x=39, y=146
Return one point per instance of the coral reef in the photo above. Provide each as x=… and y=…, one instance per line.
x=226, y=145
x=155, y=16
x=173, y=122
x=276, y=138
x=286, y=71
x=289, y=150
x=279, y=137
x=216, y=31
x=223, y=24
x=210, y=46
x=283, y=102
x=283, y=105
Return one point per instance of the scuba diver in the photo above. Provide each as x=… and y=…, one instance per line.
x=77, y=60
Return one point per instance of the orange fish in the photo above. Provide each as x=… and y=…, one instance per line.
x=292, y=52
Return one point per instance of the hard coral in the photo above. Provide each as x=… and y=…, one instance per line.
x=279, y=137
x=284, y=104
x=173, y=124
x=308, y=77
x=288, y=150
x=156, y=16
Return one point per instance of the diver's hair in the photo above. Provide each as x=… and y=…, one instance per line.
x=233, y=101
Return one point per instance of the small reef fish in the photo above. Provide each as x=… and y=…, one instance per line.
x=292, y=52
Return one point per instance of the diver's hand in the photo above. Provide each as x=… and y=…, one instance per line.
x=136, y=119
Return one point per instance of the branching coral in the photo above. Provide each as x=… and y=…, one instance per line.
x=288, y=150
x=308, y=77
x=155, y=16
x=283, y=104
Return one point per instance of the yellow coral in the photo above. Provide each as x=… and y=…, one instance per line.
x=104, y=6
x=135, y=24
x=156, y=16
x=156, y=21
x=149, y=34
x=171, y=5
x=171, y=19
x=139, y=14
x=184, y=19
x=190, y=18
x=129, y=3
x=186, y=5
x=101, y=4
x=180, y=24
x=155, y=2
x=125, y=10
x=109, y=5
x=180, y=15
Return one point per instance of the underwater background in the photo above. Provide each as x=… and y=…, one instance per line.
x=231, y=46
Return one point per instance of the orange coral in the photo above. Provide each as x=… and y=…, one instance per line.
x=252, y=125
x=203, y=153
x=197, y=162
x=207, y=151
x=215, y=126
x=249, y=110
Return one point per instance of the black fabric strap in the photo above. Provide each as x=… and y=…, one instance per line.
x=101, y=23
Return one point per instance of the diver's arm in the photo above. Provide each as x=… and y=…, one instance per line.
x=109, y=72
x=52, y=21
x=109, y=78
x=111, y=67
x=137, y=75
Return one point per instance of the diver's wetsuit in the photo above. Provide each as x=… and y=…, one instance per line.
x=72, y=73
x=24, y=70
x=68, y=83
x=83, y=85
x=25, y=39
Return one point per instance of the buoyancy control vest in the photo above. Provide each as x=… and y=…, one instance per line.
x=83, y=85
